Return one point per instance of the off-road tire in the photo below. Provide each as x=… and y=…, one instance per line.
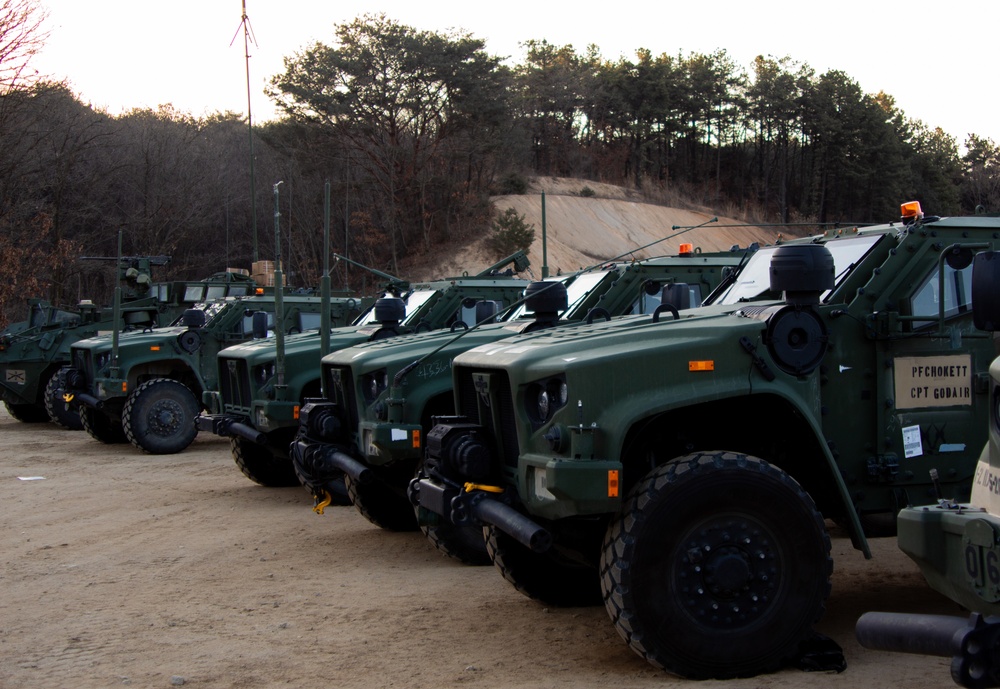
x=158, y=416
x=261, y=466
x=716, y=567
x=101, y=427
x=380, y=505
x=542, y=576
x=60, y=413
x=27, y=413
x=467, y=544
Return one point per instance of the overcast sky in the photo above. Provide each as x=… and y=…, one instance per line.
x=938, y=60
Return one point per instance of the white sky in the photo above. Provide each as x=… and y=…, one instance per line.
x=936, y=59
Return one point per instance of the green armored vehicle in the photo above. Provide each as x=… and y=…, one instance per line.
x=680, y=469
x=957, y=543
x=260, y=394
x=381, y=396
x=146, y=387
x=33, y=351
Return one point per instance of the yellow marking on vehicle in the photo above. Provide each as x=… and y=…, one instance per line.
x=469, y=487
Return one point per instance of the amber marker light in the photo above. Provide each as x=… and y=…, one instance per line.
x=701, y=365
x=910, y=210
x=416, y=438
x=612, y=483
x=259, y=291
x=686, y=248
x=295, y=412
x=154, y=348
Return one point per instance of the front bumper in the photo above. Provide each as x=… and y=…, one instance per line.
x=957, y=548
x=228, y=426
x=385, y=443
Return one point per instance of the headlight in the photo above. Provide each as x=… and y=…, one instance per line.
x=263, y=373
x=374, y=384
x=103, y=359
x=544, y=398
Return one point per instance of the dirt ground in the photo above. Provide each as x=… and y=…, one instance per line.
x=127, y=569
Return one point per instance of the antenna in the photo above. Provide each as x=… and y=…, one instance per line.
x=248, y=38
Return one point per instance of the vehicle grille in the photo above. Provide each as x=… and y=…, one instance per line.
x=83, y=363
x=501, y=399
x=342, y=393
x=235, y=386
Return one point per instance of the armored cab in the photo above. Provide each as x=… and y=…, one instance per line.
x=146, y=387
x=32, y=352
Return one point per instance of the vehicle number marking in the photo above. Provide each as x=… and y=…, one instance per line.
x=434, y=368
x=982, y=560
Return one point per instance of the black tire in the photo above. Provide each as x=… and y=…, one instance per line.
x=27, y=413
x=467, y=544
x=543, y=576
x=262, y=466
x=101, y=427
x=717, y=566
x=158, y=416
x=382, y=506
x=59, y=412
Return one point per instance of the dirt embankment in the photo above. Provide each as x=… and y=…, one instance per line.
x=582, y=231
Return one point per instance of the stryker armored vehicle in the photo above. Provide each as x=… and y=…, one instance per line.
x=146, y=387
x=680, y=469
x=957, y=543
x=260, y=394
x=33, y=351
x=381, y=396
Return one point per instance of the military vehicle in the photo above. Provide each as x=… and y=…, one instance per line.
x=260, y=394
x=33, y=351
x=957, y=543
x=381, y=396
x=680, y=468
x=146, y=387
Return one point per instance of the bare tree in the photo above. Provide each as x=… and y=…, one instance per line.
x=21, y=37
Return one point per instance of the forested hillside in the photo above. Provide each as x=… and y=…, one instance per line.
x=415, y=131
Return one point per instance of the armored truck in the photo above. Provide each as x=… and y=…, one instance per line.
x=259, y=396
x=680, y=469
x=32, y=352
x=957, y=543
x=146, y=387
x=381, y=396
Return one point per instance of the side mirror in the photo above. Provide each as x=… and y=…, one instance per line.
x=986, y=291
x=259, y=325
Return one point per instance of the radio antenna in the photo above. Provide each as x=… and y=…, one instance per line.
x=249, y=38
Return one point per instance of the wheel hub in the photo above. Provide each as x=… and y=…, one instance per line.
x=728, y=572
x=165, y=417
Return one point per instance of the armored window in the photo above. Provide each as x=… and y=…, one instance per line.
x=215, y=292
x=926, y=300
x=310, y=321
x=194, y=293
